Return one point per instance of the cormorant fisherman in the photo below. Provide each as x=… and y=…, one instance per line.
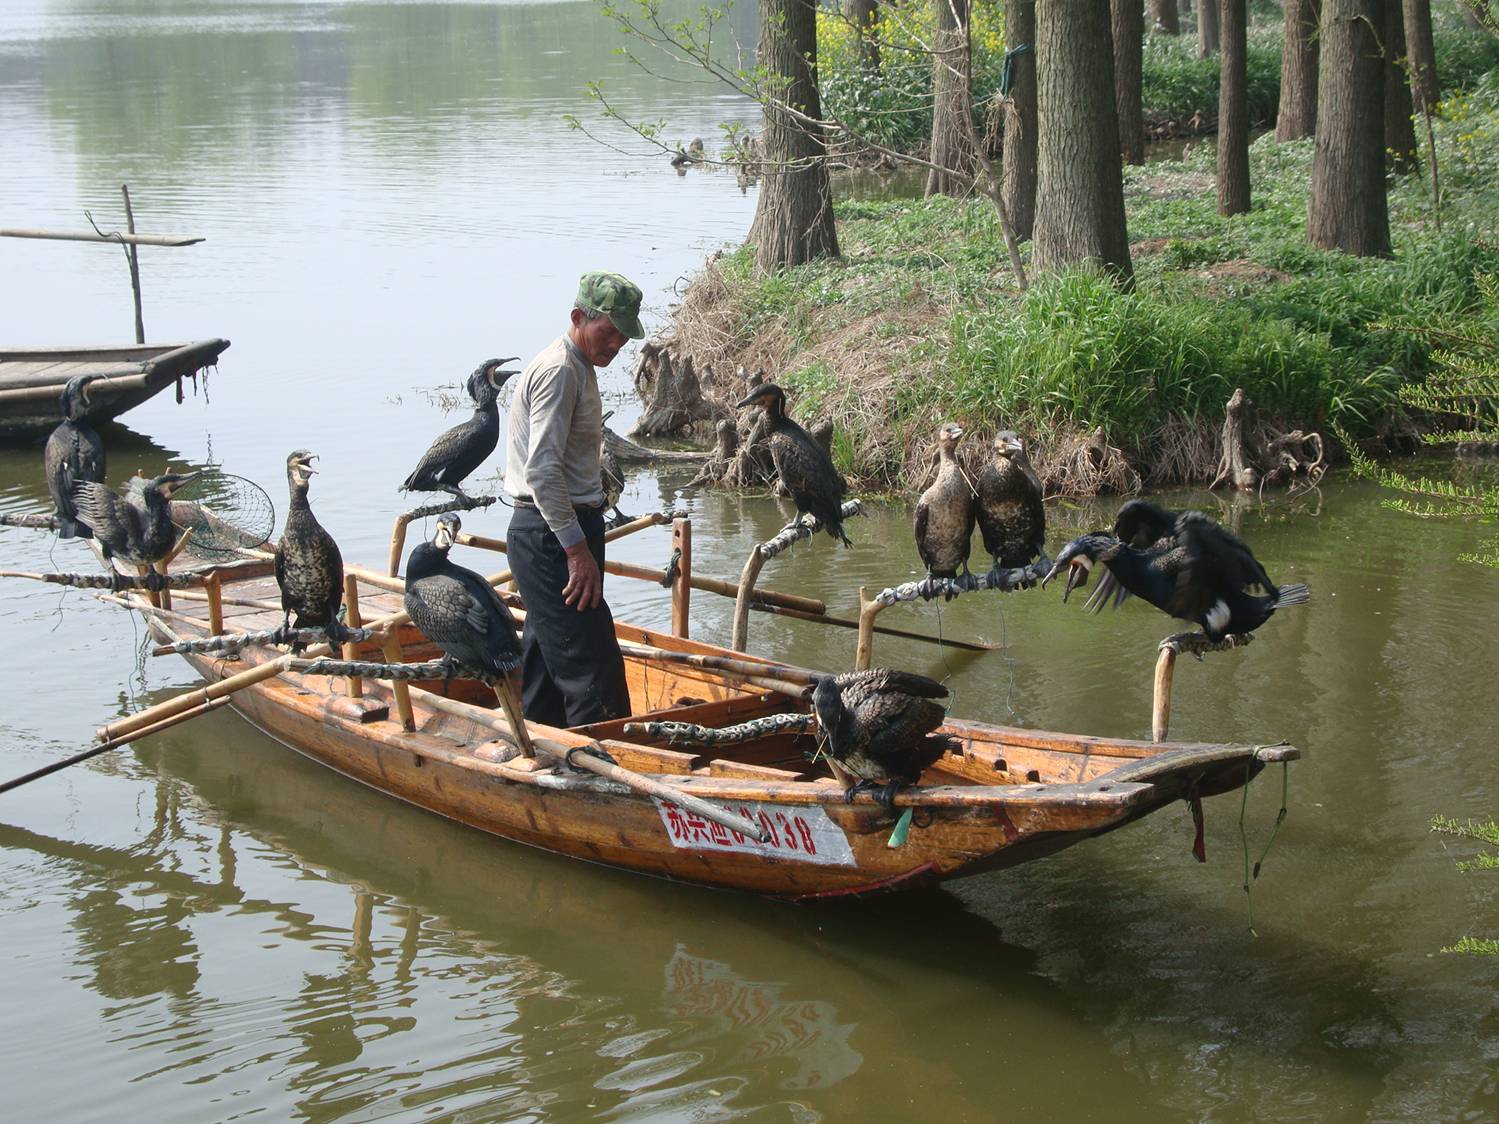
x=574, y=672
x=1200, y=572
x=465, y=447
x=878, y=725
x=74, y=454
x=611, y=477
x=137, y=528
x=461, y=613
x=805, y=468
x=945, y=512
x=1011, y=516
x=309, y=567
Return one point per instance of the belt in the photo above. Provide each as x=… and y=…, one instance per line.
x=528, y=502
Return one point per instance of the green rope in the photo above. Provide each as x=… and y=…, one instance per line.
x=1250, y=874
x=1244, y=839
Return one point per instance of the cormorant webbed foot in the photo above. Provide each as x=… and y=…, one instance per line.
x=854, y=789
x=887, y=794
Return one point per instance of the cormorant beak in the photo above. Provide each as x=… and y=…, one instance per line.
x=496, y=376
x=447, y=532
x=170, y=485
x=1013, y=447
x=1077, y=575
x=305, y=464
x=755, y=399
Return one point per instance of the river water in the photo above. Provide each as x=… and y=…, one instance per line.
x=205, y=926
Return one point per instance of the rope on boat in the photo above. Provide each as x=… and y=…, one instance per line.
x=930, y=588
x=803, y=527
x=37, y=522
x=234, y=641
x=432, y=669
x=689, y=733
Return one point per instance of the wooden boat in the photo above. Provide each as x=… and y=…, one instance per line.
x=31, y=380
x=1008, y=796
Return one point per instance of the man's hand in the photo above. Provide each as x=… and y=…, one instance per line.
x=585, y=585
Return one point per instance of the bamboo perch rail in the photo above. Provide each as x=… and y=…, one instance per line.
x=440, y=507
x=1195, y=643
x=800, y=528
x=95, y=236
x=690, y=733
x=183, y=579
x=36, y=522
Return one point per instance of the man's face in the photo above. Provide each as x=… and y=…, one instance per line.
x=598, y=339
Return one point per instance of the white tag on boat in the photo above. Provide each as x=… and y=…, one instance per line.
x=799, y=833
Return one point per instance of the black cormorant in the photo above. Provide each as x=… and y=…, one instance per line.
x=1011, y=516
x=1201, y=573
x=611, y=477
x=1142, y=525
x=74, y=454
x=803, y=465
x=463, y=448
x=136, y=528
x=878, y=725
x=945, y=512
x=309, y=567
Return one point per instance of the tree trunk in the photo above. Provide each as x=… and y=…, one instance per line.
x=1129, y=34
x=1207, y=28
x=1165, y=16
x=1233, y=110
x=794, y=214
x=865, y=16
x=1399, y=130
x=1422, y=53
x=950, y=148
x=1297, y=117
x=1079, y=186
x=1020, y=119
x=1348, y=210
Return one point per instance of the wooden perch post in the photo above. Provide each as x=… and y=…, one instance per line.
x=353, y=620
x=1165, y=671
x=801, y=528
x=398, y=531
x=681, y=580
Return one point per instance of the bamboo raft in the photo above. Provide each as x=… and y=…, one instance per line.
x=1007, y=796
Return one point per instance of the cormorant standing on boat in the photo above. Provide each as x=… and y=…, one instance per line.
x=878, y=725
x=1011, y=516
x=945, y=512
x=1201, y=573
x=803, y=465
x=611, y=476
x=465, y=447
x=74, y=454
x=136, y=528
x=309, y=567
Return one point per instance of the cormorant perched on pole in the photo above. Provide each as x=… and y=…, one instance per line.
x=803, y=465
x=461, y=613
x=945, y=512
x=136, y=528
x=74, y=454
x=1142, y=525
x=1011, y=516
x=309, y=567
x=463, y=448
x=878, y=725
x=611, y=477
x=1201, y=573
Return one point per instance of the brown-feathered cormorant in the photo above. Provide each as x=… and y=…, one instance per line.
x=805, y=468
x=136, y=528
x=1200, y=572
x=463, y=448
x=878, y=725
x=74, y=454
x=945, y=511
x=1011, y=516
x=309, y=567
x=611, y=477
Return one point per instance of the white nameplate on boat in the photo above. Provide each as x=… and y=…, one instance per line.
x=800, y=833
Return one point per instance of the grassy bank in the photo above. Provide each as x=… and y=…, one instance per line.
x=921, y=322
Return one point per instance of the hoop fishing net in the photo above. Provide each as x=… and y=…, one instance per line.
x=227, y=514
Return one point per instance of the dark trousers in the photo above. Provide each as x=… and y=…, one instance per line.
x=570, y=661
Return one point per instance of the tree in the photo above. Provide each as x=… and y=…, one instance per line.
x=1233, y=110
x=794, y=213
x=1079, y=188
x=1399, y=131
x=1020, y=116
x=951, y=150
x=1129, y=33
x=1166, y=17
x=865, y=16
x=1422, y=55
x=1348, y=210
x=1207, y=27
x=1297, y=116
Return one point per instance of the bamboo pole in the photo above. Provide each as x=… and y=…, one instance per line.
x=681, y=583
x=739, y=636
x=1160, y=711
x=864, y=649
x=352, y=618
x=178, y=706
x=441, y=507
x=845, y=622
x=759, y=598
x=213, y=588
x=398, y=687
x=95, y=236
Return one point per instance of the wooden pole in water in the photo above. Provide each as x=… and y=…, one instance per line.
x=681, y=582
x=135, y=269
x=1160, y=713
x=868, y=610
x=351, y=615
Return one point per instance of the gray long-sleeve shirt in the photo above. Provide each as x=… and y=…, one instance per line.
x=552, y=440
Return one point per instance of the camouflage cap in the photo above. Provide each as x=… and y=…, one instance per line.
x=615, y=296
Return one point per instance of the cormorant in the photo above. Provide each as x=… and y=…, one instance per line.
x=461, y=613
x=74, y=454
x=463, y=448
x=1200, y=572
x=945, y=512
x=1011, y=516
x=1140, y=524
x=878, y=725
x=804, y=466
x=309, y=567
x=136, y=528
x=611, y=477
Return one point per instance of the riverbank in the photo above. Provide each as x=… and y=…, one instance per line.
x=921, y=322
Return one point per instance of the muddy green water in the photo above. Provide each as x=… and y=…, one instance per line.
x=207, y=927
